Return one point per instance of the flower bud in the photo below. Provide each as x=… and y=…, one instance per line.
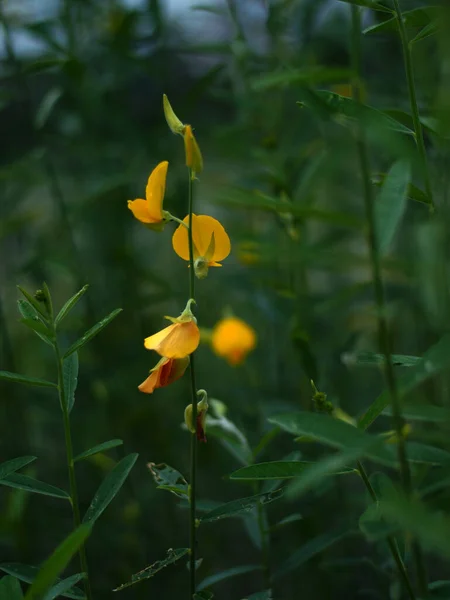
x=194, y=158
x=174, y=123
x=200, y=425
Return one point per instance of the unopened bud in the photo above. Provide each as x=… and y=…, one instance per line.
x=174, y=123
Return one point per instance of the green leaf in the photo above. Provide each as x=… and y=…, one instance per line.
x=369, y=4
x=70, y=304
x=10, y=466
x=99, y=448
x=440, y=590
x=435, y=360
x=335, y=433
x=287, y=521
x=411, y=515
x=23, y=482
x=422, y=412
x=428, y=30
x=168, y=478
x=38, y=306
x=233, y=572
x=310, y=75
x=10, y=588
x=172, y=557
x=92, y=332
x=278, y=469
x=28, y=573
x=390, y=204
x=17, y=378
x=370, y=359
x=313, y=547
x=64, y=586
x=29, y=313
x=109, y=488
x=70, y=378
x=242, y=505
x=412, y=192
x=57, y=562
x=417, y=17
x=422, y=453
x=373, y=526
x=38, y=327
x=46, y=106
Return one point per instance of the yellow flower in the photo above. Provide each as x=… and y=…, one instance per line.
x=233, y=339
x=194, y=159
x=150, y=211
x=210, y=240
x=177, y=340
x=164, y=373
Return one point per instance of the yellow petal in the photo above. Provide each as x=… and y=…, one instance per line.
x=139, y=209
x=232, y=339
x=176, y=341
x=203, y=228
x=154, y=192
x=194, y=158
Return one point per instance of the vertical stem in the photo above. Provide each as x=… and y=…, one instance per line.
x=193, y=477
x=390, y=539
x=413, y=101
x=265, y=558
x=70, y=465
x=383, y=331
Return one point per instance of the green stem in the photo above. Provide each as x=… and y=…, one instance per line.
x=390, y=539
x=383, y=330
x=193, y=478
x=70, y=464
x=265, y=558
x=418, y=130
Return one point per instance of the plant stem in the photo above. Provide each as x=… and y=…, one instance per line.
x=265, y=558
x=383, y=331
x=418, y=130
x=70, y=464
x=390, y=539
x=193, y=477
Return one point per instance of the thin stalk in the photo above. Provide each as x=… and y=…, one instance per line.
x=418, y=130
x=383, y=330
x=193, y=478
x=390, y=539
x=265, y=558
x=71, y=466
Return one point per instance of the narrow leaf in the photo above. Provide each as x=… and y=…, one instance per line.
x=70, y=304
x=29, y=313
x=57, y=562
x=172, y=557
x=233, y=572
x=422, y=453
x=279, y=469
x=422, y=412
x=23, y=482
x=10, y=588
x=369, y=4
x=168, y=478
x=64, y=586
x=374, y=526
x=243, y=505
x=28, y=573
x=39, y=308
x=390, y=204
x=428, y=30
x=38, y=327
x=99, y=448
x=47, y=105
x=304, y=76
x=435, y=360
x=18, y=378
x=70, y=378
x=370, y=359
x=109, y=487
x=310, y=549
x=92, y=332
x=10, y=466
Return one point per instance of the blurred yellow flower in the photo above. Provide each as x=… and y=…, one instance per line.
x=211, y=243
x=194, y=159
x=233, y=339
x=177, y=340
x=150, y=211
x=164, y=373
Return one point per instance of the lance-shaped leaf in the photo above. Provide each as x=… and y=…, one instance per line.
x=70, y=378
x=57, y=562
x=371, y=359
x=99, y=448
x=167, y=478
x=369, y=4
x=10, y=466
x=70, y=304
x=23, y=482
x=417, y=17
x=28, y=573
x=172, y=557
x=109, y=487
x=29, y=313
x=222, y=575
x=64, y=586
x=310, y=75
x=435, y=360
x=84, y=339
x=422, y=412
x=278, y=469
x=242, y=505
x=18, y=378
x=10, y=588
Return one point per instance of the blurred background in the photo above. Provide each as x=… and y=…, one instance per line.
x=82, y=127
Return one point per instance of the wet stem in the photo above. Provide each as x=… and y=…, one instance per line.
x=193, y=476
x=380, y=300
x=70, y=463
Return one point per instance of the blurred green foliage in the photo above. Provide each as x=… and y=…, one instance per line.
x=264, y=84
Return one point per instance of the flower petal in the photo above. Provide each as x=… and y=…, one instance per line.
x=232, y=338
x=176, y=341
x=139, y=208
x=154, y=192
